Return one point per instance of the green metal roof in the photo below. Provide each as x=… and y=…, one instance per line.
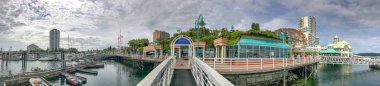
x=261, y=42
x=329, y=51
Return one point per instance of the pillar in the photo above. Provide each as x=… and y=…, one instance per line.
x=204, y=53
x=143, y=54
x=179, y=53
x=222, y=54
x=161, y=53
x=216, y=52
x=194, y=51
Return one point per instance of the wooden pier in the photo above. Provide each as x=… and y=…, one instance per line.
x=24, y=78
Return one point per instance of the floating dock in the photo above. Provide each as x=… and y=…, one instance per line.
x=87, y=71
x=24, y=78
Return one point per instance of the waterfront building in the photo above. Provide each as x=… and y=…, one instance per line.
x=32, y=47
x=258, y=47
x=339, y=48
x=54, y=38
x=160, y=35
x=295, y=38
x=307, y=25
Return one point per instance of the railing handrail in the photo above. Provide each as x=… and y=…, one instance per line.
x=227, y=65
x=216, y=78
x=152, y=79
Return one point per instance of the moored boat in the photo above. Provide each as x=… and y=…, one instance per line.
x=73, y=81
x=377, y=66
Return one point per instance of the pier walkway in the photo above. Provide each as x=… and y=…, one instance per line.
x=353, y=60
x=207, y=72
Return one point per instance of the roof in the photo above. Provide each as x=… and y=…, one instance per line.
x=340, y=44
x=329, y=51
x=261, y=42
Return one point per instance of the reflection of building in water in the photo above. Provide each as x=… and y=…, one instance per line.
x=345, y=69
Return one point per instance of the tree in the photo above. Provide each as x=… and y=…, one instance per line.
x=138, y=43
x=255, y=26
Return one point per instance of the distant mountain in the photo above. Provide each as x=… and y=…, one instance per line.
x=368, y=54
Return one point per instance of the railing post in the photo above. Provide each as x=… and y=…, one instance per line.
x=261, y=63
x=247, y=63
x=273, y=62
x=294, y=61
x=286, y=62
x=214, y=63
x=231, y=65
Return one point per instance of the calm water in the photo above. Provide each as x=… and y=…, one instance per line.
x=113, y=73
x=121, y=74
x=343, y=75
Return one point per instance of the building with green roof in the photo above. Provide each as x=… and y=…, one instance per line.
x=341, y=47
x=258, y=47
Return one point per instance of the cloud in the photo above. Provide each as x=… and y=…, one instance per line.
x=96, y=23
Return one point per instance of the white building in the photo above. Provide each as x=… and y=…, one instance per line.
x=339, y=48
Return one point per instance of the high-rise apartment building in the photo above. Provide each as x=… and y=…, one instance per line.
x=307, y=25
x=54, y=38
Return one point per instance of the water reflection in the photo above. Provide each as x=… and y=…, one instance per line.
x=113, y=73
x=343, y=75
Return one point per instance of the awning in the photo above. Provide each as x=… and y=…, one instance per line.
x=262, y=42
x=329, y=51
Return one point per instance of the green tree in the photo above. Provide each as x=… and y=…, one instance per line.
x=255, y=26
x=138, y=43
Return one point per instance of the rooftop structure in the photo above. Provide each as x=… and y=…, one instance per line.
x=341, y=47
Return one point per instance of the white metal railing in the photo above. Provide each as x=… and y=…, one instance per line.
x=255, y=64
x=340, y=60
x=204, y=75
x=161, y=75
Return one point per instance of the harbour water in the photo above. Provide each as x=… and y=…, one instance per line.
x=113, y=73
x=342, y=75
x=122, y=74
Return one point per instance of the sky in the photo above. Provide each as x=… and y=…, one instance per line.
x=95, y=24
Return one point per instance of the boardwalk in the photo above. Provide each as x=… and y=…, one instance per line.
x=255, y=65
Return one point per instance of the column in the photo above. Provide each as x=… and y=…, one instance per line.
x=216, y=52
x=222, y=52
x=155, y=53
x=161, y=53
x=179, y=53
x=204, y=53
x=194, y=51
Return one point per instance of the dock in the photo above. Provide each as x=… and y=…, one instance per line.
x=45, y=82
x=47, y=74
x=87, y=71
x=78, y=77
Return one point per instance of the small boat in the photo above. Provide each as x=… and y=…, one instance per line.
x=73, y=81
x=35, y=69
x=377, y=66
x=35, y=81
x=46, y=59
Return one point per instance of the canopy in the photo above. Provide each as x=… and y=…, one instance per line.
x=262, y=42
x=329, y=51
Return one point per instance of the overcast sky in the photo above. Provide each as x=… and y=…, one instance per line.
x=96, y=23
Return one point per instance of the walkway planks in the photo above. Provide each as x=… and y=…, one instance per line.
x=183, y=77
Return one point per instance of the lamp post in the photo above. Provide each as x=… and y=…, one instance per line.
x=196, y=27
